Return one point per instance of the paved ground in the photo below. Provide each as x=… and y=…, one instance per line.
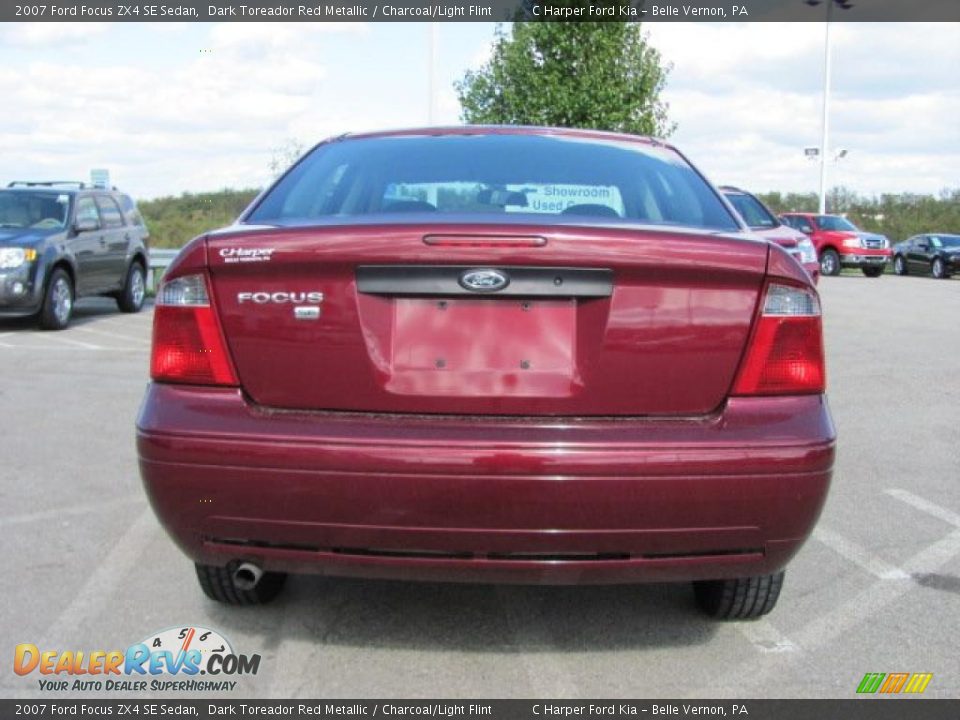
x=877, y=589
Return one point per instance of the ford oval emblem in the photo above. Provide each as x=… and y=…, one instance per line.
x=485, y=280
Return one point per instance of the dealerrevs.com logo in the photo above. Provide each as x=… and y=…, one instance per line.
x=170, y=660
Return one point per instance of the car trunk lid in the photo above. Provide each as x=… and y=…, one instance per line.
x=405, y=318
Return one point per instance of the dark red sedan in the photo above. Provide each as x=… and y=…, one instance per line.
x=505, y=355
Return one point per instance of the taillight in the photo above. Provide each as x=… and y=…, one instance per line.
x=785, y=353
x=188, y=345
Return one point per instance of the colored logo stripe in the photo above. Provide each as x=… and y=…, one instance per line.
x=918, y=682
x=870, y=683
x=894, y=683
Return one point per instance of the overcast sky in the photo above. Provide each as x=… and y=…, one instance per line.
x=171, y=108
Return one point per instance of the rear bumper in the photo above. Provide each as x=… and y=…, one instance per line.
x=552, y=501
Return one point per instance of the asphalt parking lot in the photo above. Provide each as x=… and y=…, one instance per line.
x=876, y=590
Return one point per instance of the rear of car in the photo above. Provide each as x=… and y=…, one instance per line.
x=841, y=244
x=763, y=222
x=465, y=355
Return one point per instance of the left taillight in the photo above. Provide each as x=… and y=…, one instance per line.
x=785, y=353
x=188, y=343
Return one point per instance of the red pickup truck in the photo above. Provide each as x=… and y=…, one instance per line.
x=841, y=244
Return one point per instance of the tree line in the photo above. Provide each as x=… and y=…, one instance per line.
x=172, y=221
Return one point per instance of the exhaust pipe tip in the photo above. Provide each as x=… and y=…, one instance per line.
x=246, y=576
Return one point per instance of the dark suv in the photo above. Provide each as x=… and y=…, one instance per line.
x=63, y=240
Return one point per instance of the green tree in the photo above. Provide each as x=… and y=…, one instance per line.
x=590, y=75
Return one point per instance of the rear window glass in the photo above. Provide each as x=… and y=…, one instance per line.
x=130, y=211
x=941, y=241
x=494, y=175
x=754, y=214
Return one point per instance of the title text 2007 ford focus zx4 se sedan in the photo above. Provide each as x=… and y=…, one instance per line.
x=503, y=355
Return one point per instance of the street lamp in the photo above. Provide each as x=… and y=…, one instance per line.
x=825, y=124
x=431, y=72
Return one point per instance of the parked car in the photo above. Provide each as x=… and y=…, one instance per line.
x=937, y=254
x=762, y=221
x=60, y=241
x=841, y=244
x=489, y=354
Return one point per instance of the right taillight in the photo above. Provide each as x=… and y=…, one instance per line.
x=785, y=352
x=188, y=345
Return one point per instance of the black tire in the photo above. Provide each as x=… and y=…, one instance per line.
x=899, y=265
x=217, y=584
x=872, y=271
x=938, y=269
x=829, y=262
x=739, y=599
x=130, y=299
x=57, y=301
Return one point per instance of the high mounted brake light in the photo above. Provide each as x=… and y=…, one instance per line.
x=188, y=344
x=785, y=352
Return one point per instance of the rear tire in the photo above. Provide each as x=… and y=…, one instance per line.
x=57, y=301
x=829, y=262
x=739, y=599
x=217, y=584
x=872, y=271
x=899, y=266
x=130, y=299
x=938, y=269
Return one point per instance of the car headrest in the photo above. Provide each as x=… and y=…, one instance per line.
x=408, y=206
x=591, y=209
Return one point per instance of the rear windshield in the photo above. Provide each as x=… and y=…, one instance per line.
x=754, y=214
x=506, y=176
x=130, y=212
x=942, y=241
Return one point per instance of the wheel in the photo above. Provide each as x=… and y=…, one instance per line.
x=872, y=271
x=217, y=584
x=57, y=301
x=899, y=266
x=829, y=262
x=130, y=299
x=739, y=599
x=938, y=269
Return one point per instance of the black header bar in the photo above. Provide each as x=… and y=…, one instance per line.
x=480, y=10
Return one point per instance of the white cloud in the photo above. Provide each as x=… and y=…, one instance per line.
x=50, y=34
x=747, y=100
x=210, y=120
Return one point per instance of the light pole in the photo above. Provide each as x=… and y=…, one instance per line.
x=825, y=120
x=431, y=71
